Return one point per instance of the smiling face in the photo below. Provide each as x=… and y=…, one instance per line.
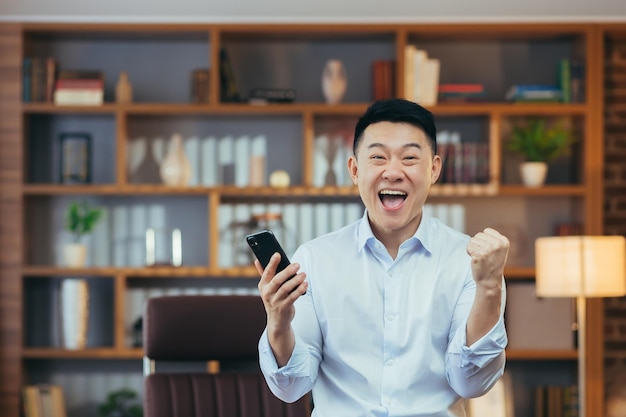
x=394, y=168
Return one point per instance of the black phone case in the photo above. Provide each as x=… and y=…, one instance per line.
x=264, y=244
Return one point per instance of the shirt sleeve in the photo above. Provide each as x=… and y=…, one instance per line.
x=296, y=378
x=291, y=381
x=473, y=370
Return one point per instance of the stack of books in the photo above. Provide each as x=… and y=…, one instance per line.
x=79, y=88
x=528, y=93
x=461, y=92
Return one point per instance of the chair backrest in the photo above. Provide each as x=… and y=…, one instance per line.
x=208, y=328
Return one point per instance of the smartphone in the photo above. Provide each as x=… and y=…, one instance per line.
x=264, y=244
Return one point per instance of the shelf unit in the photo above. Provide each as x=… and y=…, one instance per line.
x=278, y=56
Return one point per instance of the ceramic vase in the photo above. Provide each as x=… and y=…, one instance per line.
x=74, y=313
x=175, y=169
x=123, y=89
x=533, y=173
x=334, y=81
x=75, y=255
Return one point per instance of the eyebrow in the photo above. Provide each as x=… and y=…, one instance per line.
x=381, y=145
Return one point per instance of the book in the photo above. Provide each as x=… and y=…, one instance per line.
x=565, y=81
x=79, y=83
x=519, y=92
x=27, y=65
x=383, y=80
x=78, y=96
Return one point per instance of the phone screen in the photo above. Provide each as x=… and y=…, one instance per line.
x=264, y=244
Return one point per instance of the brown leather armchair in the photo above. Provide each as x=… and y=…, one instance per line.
x=203, y=328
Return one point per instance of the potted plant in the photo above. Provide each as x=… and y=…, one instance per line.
x=540, y=142
x=80, y=219
x=121, y=403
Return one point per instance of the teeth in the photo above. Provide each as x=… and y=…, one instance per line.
x=392, y=192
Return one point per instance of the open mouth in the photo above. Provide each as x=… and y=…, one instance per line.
x=392, y=199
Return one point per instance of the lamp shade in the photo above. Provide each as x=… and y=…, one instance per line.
x=580, y=266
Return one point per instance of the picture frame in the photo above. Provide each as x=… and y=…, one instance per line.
x=75, y=158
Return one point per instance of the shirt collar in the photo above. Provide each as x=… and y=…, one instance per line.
x=422, y=234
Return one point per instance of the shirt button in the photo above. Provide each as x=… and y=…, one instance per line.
x=390, y=317
x=389, y=362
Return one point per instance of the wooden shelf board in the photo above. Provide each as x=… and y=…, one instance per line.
x=137, y=353
x=89, y=353
x=149, y=272
x=321, y=109
x=546, y=190
x=513, y=354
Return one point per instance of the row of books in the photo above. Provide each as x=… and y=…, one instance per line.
x=556, y=401
x=43, y=401
x=421, y=76
x=463, y=162
x=43, y=82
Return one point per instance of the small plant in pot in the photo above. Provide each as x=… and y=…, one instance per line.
x=121, y=403
x=80, y=219
x=540, y=142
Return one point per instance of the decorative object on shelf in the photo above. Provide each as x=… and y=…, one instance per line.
x=271, y=95
x=159, y=251
x=334, y=81
x=329, y=147
x=175, y=168
x=540, y=142
x=200, y=85
x=229, y=92
x=75, y=162
x=121, y=403
x=123, y=89
x=520, y=244
x=80, y=219
x=137, y=332
x=271, y=220
x=616, y=390
x=74, y=312
x=280, y=179
x=580, y=267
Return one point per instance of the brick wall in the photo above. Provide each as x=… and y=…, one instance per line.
x=615, y=206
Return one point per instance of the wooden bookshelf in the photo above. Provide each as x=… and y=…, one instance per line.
x=32, y=195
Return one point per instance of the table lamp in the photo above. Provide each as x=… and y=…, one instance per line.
x=581, y=267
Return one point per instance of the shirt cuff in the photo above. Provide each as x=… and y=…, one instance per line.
x=297, y=366
x=484, y=350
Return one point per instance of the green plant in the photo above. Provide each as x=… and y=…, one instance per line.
x=540, y=141
x=120, y=403
x=81, y=218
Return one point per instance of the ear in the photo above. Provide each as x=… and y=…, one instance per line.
x=436, y=169
x=353, y=169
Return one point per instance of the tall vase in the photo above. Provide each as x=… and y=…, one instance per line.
x=176, y=168
x=334, y=81
x=74, y=313
x=123, y=89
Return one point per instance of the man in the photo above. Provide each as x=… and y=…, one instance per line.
x=396, y=314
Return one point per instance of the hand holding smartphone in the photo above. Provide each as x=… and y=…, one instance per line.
x=264, y=244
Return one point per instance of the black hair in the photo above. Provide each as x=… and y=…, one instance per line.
x=397, y=110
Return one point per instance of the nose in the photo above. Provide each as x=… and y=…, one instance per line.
x=393, y=171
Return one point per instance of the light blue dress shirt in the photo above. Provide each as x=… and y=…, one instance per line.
x=382, y=337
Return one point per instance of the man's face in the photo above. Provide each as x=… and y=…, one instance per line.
x=394, y=169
